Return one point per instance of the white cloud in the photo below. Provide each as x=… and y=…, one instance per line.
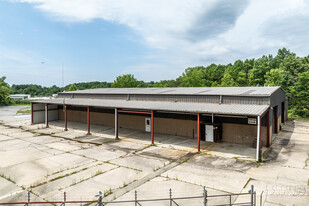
x=195, y=32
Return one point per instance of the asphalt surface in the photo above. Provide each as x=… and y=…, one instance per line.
x=8, y=113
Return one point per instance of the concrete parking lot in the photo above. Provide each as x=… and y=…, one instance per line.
x=50, y=161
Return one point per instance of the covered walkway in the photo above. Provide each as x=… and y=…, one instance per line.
x=105, y=135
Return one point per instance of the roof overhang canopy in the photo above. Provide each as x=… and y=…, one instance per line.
x=166, y=106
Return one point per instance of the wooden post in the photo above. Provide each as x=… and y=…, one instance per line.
x=152, y=128
x=88, y=119
x=198, y=132
x=65, y=118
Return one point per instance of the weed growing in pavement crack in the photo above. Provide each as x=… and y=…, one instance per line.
x=7, y=178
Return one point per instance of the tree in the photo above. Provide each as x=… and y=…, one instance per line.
x=4, y=92
x=72, y=87
x=125, y=81
x=257, y=73
x=274, y=77
x=300, y=97
x=192, y=77
x=228, y=79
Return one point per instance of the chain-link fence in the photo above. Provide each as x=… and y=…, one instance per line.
x=203, y=200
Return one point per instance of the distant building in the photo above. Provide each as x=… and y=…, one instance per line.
x=244, y=115
x=20, y=96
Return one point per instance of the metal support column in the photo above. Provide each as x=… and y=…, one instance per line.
x=252, y=195
x=88, y=119
x=258, y=138
x=268, y=132
x=152, y=128
x=31, y=112
x=116, y=123
x=46, y=115
x=65, y=118
x=198, y=132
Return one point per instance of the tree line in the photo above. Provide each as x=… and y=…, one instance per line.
x=286, y=69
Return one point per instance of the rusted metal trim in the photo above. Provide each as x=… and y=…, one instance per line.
x=88, y=119
x=152, y=128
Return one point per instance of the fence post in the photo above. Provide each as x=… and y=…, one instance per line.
x=135, y=197
x=28, y=199
x=205, y=196
x=100, y=200
x=171, y=203
x=64, y=198
x=251, y=193
x=230, y=200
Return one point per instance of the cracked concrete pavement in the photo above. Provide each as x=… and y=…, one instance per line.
x=48, y=162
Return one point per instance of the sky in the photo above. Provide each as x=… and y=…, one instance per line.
x=56, y=42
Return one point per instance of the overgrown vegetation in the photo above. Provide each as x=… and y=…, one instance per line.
x=285, y=69
x=25, y=110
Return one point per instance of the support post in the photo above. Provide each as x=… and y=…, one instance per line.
x=198, y=132
x=88, y=119
x=65, y=118
x=205, y=196
x=31, y=112
x=251, y=194
x=46, y=115
x=28, y=199
x=135, y=197
x=116, y=123
x=171, y=202
x=258, y=138
x=152, y=128
x=268, y=132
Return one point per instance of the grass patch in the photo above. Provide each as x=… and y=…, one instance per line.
x=247, y=182
x=293, y=116
x=107, y=192
x=7, y=178
x=185, y=160
x=25, y=110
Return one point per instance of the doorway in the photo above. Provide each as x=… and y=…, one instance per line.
x=147, y=124
x=275, y=117
x=211, y=132
x=282, y=112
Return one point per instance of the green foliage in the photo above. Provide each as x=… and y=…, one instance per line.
x=285, y=69
x=21, y=102
x=300, y=95
x=5, y=91
x=125, y=81
x=192, y=77
x=72, y=87
x=274, y=77
x=25, y=110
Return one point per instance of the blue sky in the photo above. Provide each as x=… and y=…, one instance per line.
x=97, y=40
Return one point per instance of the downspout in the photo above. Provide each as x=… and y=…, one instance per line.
x=258, y=138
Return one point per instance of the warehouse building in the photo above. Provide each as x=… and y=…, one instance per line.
x=245, y=115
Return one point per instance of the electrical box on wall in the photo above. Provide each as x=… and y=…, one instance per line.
x=251, y=120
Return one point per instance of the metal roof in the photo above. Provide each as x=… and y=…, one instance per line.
x=231, y=91
x=227, y=109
